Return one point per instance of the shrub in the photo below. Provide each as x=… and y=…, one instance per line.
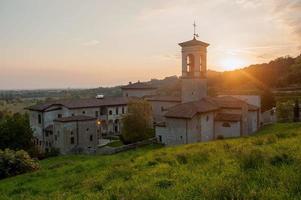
x=16, y=162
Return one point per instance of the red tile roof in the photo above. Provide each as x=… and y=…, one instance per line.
x=82, y=103
x=207, y=104
x=227, y=117
x=188, y=110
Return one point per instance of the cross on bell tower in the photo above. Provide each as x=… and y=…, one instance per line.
x=194, y=68
x=195, y=35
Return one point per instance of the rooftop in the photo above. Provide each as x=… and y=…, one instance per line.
x=193, y=42
x=207, y=104
x=82, y=103
x=188, y=110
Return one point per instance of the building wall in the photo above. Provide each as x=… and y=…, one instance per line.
x=193, y=89
x=81, y=132
x=138, y=92
x=269, y=116
x=185, y=131
x=207, y=122
x=35, y=125
x=159, y=109
x=227, y=132
x=252, y=121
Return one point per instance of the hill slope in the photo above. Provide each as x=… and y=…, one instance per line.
x=264, y=166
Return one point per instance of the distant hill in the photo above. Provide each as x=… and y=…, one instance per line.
x=264, y=166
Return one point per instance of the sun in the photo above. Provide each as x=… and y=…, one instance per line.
x=232, y=63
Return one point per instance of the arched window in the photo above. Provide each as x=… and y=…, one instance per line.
x=190, y=63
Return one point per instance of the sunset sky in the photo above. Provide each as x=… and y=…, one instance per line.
x=91, y=43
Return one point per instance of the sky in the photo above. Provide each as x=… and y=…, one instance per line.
x=92, y=43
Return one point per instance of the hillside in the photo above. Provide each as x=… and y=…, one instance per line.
x=264, y=166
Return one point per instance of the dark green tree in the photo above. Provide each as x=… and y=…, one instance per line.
x=15, y=132
x=137, y=124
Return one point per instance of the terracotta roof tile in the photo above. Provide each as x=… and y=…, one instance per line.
x=82, y=103
x=188, y=110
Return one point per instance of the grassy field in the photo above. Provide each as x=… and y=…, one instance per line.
x=264, y=166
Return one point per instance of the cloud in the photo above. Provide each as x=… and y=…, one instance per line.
x=91, y=43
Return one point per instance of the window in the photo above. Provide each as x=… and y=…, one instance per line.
x=110, y=112
x=181, y=137
x=72, y=114
x=160, y=138
x=116, y=128
x=162, y=108
x=71, y=133
x=59, y=116
x=91, y=138
x=72, y=140
x=117, y=111
x=87, y=129
x=127, y=94
x=84, y=112
x=96, y=113
x=55, y=137
x=39, y=119
x=207, y=118
x=226, y=124
x=122, y=110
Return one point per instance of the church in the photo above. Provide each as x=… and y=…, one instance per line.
x=199, y=117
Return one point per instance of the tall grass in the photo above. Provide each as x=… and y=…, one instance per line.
x=264, y=166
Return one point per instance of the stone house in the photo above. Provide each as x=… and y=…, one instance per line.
x=47, y=117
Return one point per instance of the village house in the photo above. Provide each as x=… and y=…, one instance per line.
x=76, y=123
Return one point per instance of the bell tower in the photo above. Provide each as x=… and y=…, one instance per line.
x=194, y=69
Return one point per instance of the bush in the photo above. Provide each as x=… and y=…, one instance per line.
x=16, y=162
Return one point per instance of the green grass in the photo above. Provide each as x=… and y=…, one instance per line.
x=264, y=166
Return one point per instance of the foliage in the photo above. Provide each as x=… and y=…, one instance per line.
x=137, y=124
x=15, y=132
x=15, y=162
x=285, y=111
x=241, y=168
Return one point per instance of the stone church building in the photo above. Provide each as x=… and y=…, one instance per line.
x=198, y=117
x=79, y=124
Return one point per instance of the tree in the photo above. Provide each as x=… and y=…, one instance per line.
x=15, y=132
x=137, y=124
